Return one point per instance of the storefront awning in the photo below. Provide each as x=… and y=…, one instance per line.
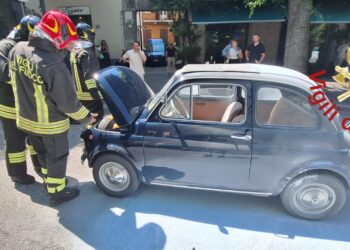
x=229, y=13
x=232, y=14
x=331, y=13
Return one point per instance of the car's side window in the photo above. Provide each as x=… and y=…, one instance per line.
x=208, y=102
x=283, y=107
x=178, y=107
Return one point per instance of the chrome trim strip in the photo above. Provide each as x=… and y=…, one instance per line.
x=211, y=189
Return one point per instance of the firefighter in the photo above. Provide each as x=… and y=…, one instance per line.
x=45, y=98
x=84, y=65
x=15, y=139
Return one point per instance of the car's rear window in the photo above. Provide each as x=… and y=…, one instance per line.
x=283, y=107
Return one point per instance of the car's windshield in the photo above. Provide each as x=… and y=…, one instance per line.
x=156, y=99
x=155, y=47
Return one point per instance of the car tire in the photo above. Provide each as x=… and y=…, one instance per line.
x=314, y=196
x=115, y=175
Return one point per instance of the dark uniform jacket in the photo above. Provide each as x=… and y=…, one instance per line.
x=7, y=101
x=84, y=65
x=44, y=93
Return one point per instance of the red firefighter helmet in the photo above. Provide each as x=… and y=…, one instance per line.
x=59, y=27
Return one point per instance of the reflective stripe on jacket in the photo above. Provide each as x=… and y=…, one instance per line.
x=84, y=65
x=43, y=88
x=7, y=101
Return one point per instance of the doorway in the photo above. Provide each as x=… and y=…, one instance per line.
x=219, y=35
x=82, y=18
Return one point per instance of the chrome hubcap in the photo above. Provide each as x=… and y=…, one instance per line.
x=114, y=176
x=315, y=198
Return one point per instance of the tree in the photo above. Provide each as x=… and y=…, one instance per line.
x=298, y=23
x=182, y=27
x=298, y=30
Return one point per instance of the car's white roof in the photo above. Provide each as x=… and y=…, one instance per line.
x=243, y=67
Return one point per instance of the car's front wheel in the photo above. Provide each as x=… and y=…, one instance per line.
x=115, y=175
x=314, y=196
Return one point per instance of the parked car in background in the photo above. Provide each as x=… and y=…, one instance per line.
x=155, y=52
x=239, y=128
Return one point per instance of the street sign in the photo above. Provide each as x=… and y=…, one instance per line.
x=76, y=10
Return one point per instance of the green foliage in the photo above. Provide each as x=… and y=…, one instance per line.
x=255, y=4
x=180, y=54
x=172, y=5
x=187, y=54
x=190, y=54
x=181, y=27
x=317, y=34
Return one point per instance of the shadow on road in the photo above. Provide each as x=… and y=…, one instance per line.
x=110, y=223
x=101, y=221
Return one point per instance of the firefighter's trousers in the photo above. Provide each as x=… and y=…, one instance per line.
x=53, y=153
x=15, y=149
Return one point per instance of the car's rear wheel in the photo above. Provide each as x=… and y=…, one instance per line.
x=314, y=196
x=115, y=175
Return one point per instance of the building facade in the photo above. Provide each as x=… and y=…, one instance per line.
x=103, y=15
x=223, y=21
x=11, y=12
x=155, y=25
x=123, y=21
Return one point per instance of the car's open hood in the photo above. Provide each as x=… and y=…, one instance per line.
x=124, y=92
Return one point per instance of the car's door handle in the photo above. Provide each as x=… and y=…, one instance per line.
x=244, y=137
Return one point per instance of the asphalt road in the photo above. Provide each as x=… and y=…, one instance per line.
x=155, y=218
x=156, y=77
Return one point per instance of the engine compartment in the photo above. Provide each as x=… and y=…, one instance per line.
x=108, y=123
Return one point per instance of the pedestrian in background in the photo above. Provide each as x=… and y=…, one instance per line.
x=256, y=52
x=341, y=53
x=170, y=55
x=105, y=61
x=234, y=54
x=226, y=50
x=332, y=56
x=136, y=58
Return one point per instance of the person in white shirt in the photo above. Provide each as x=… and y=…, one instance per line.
x=136, y=58
x=341, y=50
x=234, y=54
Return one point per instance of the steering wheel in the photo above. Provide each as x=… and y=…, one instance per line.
x=180, y=106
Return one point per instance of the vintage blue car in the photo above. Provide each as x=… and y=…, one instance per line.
x=244, y=128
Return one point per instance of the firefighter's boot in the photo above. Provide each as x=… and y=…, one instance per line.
x=23, y=179
x=66, y=194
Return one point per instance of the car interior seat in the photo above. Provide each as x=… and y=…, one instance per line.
x=238, y=119
x=286, y=112
x=231, y=111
